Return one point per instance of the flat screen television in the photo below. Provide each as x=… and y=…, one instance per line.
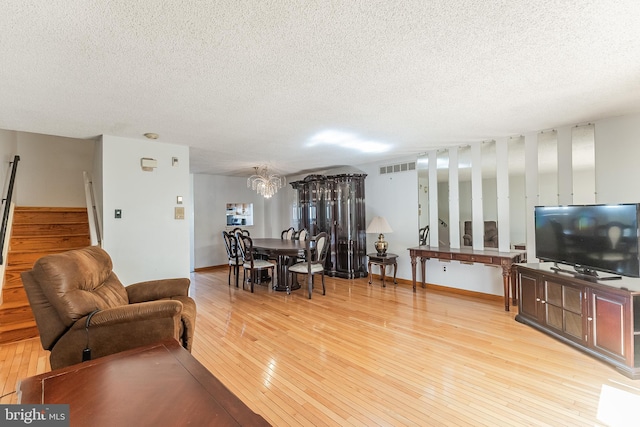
x=590, y=238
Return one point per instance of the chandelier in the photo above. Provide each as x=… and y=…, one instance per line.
x=264, y=183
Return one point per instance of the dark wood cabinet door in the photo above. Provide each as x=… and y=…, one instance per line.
x=565, y=310
x=609, y=325
x=529, y=297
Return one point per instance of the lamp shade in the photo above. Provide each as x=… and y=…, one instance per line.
x=379, y=225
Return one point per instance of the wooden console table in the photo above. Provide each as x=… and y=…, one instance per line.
x=472, y=256
x=154, y=385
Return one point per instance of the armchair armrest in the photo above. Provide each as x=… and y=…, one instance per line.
x=117, y=329
x=138, y=312
x=157, y=289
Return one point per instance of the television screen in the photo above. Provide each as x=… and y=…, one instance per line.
x=589, y=237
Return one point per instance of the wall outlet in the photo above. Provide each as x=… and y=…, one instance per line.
x=444, y=268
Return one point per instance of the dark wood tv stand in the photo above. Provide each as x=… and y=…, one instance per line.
x=603, y=320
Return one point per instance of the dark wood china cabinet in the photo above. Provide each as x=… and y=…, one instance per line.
x=335, y=204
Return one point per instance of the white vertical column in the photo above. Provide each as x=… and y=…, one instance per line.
x=454, y=199
x=565, y=169
x=583, y=164
x=476, y=194
x=548, y=168
x=434, y=237
x=502, y=182
x=531, y=188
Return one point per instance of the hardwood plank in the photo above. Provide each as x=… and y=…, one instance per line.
x=367, y=355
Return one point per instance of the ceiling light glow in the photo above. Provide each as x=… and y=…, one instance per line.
x=348, y=140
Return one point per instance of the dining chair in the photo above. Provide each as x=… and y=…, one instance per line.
x=287, y=234
x=241, y=231
x=249, y=262
x=423, y=235
x=301, y=234
x=231, y=245
x=316, y=249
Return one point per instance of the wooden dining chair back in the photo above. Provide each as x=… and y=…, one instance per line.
x=316, y=249
x=250, y=262
x=235, y=260
x=287, y=234
x=423, y=235
x=301, y=235
x=241, y=231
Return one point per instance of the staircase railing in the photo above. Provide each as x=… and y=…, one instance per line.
x=7, y=205
x=92, y=210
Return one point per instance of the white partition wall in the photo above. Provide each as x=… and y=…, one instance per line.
x=147, y=242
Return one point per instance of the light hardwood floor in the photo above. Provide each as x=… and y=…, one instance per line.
x=364, y=355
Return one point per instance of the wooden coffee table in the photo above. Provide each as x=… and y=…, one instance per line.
x=156, y=385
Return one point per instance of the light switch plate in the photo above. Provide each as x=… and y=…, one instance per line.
x=118, y=213
x=179, y=213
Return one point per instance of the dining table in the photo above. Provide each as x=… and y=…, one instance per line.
x=283, y=251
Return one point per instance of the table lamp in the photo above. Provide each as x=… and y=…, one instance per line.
x=379, y=225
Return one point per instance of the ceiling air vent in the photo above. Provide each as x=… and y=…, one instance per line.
x=401, y=167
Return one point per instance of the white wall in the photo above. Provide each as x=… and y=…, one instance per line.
x=8, y=149
x=617, y=164
x=147, y=242
x=212, y=193
x=617, y=144
x=517, y=209
x=395, y=197
x=50, y=170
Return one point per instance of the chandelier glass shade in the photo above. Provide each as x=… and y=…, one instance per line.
x=265, y=183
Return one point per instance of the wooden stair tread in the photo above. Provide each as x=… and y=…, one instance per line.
x=18, y=332
x=15, y=304
x=44, y=252
x=48, y=209
x=45, y=243
x=17, y=326
x=52, y=236
x=14, y=293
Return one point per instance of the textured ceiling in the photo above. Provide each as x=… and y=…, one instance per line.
x=245, y=83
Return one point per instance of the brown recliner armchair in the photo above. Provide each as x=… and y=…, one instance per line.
x=490, y=234
x=79, y=303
